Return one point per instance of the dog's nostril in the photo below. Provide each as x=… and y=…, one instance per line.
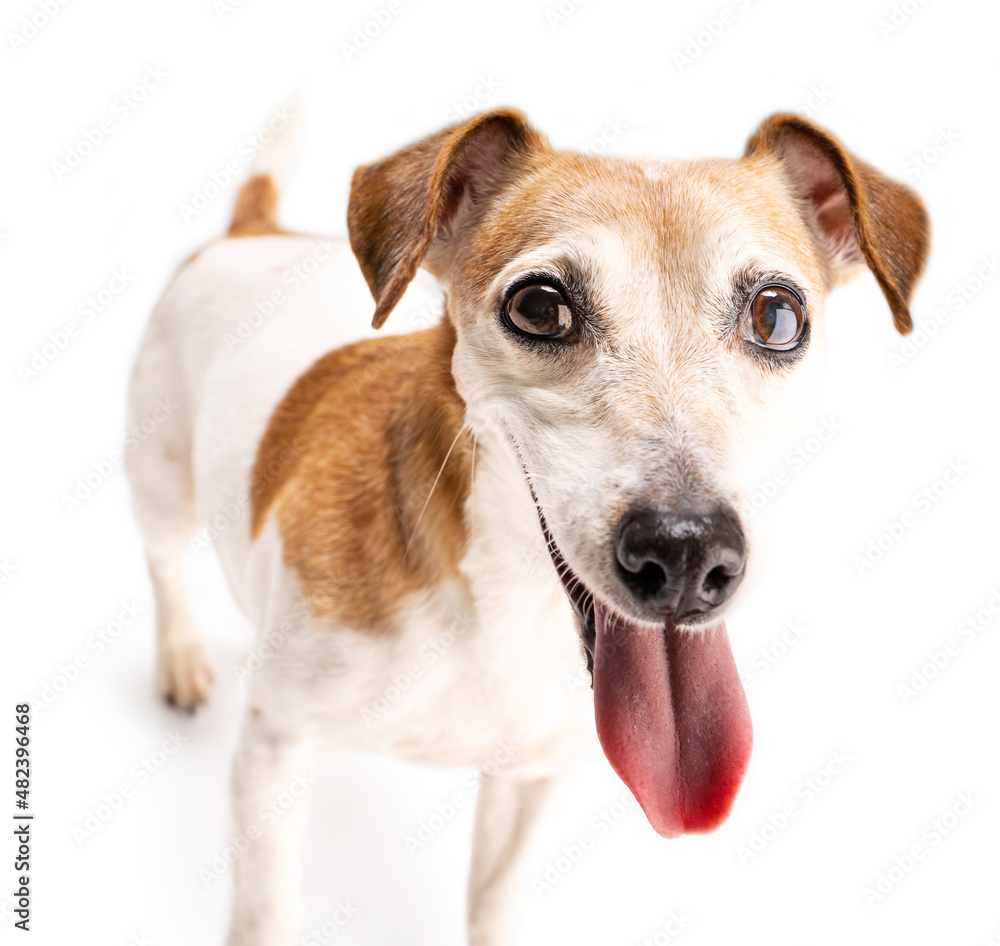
x=717, y=579
x=689, y=563
x=650, y=578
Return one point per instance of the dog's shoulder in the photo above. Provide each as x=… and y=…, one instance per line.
x=365, y=465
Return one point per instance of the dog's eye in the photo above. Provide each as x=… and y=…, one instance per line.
x=539, y=310
x=776, y=319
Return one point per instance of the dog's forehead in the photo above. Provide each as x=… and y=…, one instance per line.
x=640, y=226
x=658, y=246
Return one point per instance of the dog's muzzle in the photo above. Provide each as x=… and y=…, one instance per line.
x=671, y=713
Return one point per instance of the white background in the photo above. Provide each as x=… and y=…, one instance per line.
x=930, y=83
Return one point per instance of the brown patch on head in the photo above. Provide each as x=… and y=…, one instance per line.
x=255, y=213
x=366, y=468
x=859, y=213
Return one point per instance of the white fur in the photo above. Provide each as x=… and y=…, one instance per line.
x=478, y=669
x=342, y=685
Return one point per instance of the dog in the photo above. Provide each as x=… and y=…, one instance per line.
x=432, y=530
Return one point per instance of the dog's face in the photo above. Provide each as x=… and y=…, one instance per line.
x=636, y=330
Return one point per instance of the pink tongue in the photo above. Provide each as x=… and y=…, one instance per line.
x=673, y=720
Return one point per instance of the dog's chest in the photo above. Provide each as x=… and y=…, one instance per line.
x=460, y=689
x=491, y=664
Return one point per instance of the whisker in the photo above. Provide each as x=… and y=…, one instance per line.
x=437, y=479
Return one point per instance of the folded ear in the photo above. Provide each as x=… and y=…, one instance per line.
x=411, y=207
x=861, y=215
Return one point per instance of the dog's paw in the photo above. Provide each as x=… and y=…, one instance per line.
x=184, y=675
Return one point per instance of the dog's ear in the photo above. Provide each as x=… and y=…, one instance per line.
x=409, y=208
x=861, y=215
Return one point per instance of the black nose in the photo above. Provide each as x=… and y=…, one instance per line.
x=688, y=562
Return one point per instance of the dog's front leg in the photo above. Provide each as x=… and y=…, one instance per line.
x=506, y=814
x=272, y=776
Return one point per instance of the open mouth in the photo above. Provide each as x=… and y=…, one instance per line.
x=671, y=712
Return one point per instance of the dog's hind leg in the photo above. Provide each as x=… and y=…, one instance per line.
x=158, y=464
x=506, y=814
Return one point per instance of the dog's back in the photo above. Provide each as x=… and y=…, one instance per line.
x=241, y=320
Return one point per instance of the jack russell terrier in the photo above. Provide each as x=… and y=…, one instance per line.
x=432, y=530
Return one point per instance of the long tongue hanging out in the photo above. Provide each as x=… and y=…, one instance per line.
x=673, y=720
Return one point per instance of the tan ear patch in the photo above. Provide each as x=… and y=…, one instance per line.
x=857, y=208
x=365, y=465
x=399, y=205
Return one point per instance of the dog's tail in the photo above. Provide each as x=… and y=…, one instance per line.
x=255, y=213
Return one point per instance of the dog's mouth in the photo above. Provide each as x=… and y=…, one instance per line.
x=672, y=715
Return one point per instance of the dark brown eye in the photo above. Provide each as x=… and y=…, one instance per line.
x=776, y=319
x=539, y=310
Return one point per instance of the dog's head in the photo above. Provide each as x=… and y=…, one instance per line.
x=637, y=329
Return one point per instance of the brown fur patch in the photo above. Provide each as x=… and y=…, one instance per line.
x=398, y=204
x=366, y=469
x=255, y=213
